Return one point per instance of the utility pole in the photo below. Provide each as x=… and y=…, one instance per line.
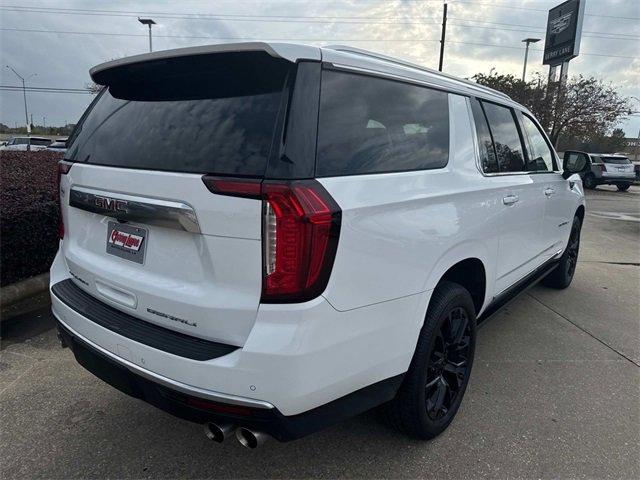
x=148, y=22
x=526, y=55
x=444, y=32
x=24, y=95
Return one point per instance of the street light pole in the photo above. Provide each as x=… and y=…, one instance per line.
x=24, y=95
x=526, y=55
x=148, y=22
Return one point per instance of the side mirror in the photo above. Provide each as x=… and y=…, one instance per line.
x=573, y=164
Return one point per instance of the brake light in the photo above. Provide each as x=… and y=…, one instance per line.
x=63, y=169
x=604, y=167
x=300, y=231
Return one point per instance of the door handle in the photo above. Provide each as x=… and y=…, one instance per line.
x=549, y=191
x=510, y=199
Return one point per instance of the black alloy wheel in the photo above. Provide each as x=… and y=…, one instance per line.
x=573, y=248
x=433, y=387
x=448, y=364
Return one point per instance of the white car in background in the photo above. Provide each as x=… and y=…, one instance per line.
x=58, y=145
x=27, y=143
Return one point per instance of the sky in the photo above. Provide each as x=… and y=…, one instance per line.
x=481, y=35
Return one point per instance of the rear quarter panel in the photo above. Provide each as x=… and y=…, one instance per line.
x=401, y=231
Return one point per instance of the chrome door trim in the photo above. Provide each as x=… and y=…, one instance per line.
x=151, y=211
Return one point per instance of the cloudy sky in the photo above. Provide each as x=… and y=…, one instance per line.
x=60, y=40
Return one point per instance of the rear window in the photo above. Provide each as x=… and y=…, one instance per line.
x=207, y=114
x=616, y=160
x=373, y=125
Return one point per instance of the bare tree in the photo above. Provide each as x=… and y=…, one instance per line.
x=583, y=108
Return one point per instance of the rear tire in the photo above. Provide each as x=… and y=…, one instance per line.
x=562, y=275
x=623, y=187
x=434, y=385
x=590, y=181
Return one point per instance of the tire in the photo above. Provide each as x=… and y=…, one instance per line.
x=590, y=181
x=562, y=275
x=433, y=387
x=623, y=187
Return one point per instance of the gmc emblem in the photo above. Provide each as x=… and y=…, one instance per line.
x=111, y=204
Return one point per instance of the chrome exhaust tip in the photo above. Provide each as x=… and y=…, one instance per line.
x=250, y=438
x=218, y=432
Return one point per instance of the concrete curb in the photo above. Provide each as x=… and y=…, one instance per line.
x=26, y=288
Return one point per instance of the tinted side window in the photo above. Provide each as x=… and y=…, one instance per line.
x=373, y=125
x=488, y=159
x=506, y=137
x=540, y=154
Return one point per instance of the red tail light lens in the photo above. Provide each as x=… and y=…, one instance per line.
x=63, y=169
x=300, y=231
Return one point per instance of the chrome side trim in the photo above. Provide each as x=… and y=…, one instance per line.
x=164, y=213
x=169, y=383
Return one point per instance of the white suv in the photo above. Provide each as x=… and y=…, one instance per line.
x=269, y=238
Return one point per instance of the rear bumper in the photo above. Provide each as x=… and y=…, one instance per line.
x=296, y=359
x=612, y=177
x=200, y=406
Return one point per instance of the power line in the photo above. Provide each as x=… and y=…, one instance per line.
x=303, y=19
x=245, y=18
x=298, y=39
x=197, y=15
x=514, y=7
x=46, y=88
x=532, y=30
x=541, y=28
x=113, y=34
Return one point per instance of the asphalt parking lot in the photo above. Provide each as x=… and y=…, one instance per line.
x=555, y=393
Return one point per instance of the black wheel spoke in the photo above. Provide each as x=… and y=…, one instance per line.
x=448, y=365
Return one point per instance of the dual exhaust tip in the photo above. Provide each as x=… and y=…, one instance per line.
x=219, y=432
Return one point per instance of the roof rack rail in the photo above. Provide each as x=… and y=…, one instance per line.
x=367, y=53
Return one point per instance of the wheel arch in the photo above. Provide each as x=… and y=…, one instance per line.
x=467, y=265
x=580, y=213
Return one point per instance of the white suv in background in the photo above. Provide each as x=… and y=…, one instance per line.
x=269, y=238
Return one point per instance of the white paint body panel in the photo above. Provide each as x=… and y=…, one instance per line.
x=400, y=233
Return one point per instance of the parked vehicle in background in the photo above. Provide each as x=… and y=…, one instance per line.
x=58, y=145
x=27, y=143
x=311, y=234
x=604, y=169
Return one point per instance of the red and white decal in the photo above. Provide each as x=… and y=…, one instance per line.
x=126, y=240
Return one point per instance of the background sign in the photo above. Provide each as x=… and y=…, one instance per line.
x=564, y=28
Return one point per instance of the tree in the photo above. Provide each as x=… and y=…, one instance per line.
x=582, y=108
x=616, y=142
x=93, y=87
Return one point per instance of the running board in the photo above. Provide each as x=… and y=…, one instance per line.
x=517, y=289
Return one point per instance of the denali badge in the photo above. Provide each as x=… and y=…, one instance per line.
x=111, y=204
x=171, y=317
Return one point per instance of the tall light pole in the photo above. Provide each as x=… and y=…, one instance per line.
x=24, y=95
x=526, y=55
x=148, y=22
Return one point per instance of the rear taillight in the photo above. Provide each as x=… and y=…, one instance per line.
x=63, y=169
x=300, y=231
x=603, y=167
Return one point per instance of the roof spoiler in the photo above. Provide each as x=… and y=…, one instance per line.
x=106, y=73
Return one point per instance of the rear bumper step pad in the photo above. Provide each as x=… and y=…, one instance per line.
x=136, y=329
